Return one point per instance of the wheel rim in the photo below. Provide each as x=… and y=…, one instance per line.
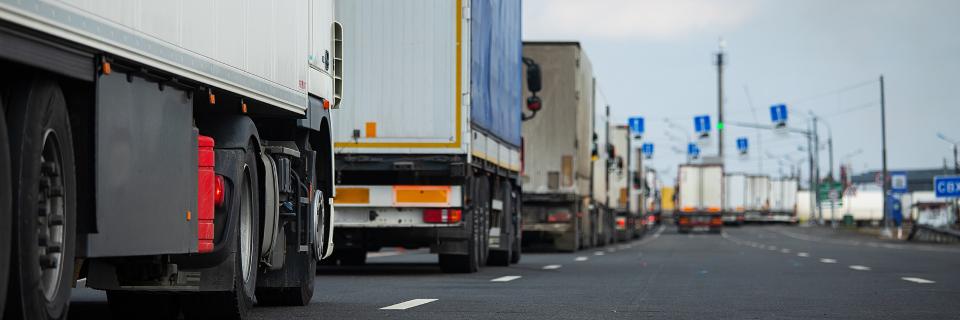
x=51, y=210
x=246, y=228
x=318, y=223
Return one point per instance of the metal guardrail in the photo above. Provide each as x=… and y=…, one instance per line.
x=933, y=234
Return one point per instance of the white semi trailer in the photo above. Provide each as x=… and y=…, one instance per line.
x=735, y=198
x=627, y=216
x=783, y=200
x=428, y=145
x=700, y=197
x=177, y=156
x=558, y=147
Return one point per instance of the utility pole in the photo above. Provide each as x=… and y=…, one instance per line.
x=606, y=148
x=883, y=138
x=720, y=123
x=816, y=170
x=956, y=165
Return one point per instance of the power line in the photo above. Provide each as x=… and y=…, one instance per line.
x=834, y=91
x=852, y=109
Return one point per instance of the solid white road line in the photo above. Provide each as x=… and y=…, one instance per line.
x=505, y=279
x=828, y=260
x=581, y=259
x=803, y=254
x=408, y=304
x=552, y=267
x=860, y=268
x=598, y=253
x=918, y=280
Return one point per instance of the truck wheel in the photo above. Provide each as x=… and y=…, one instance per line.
x=470, y=262
x=299, y=295
x=518, y=233
x=236, y=304
x=44, y=202
x=6, y=215
x=142, y=305
x=498, y=256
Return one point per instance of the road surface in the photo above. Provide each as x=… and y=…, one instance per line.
x=752, y=272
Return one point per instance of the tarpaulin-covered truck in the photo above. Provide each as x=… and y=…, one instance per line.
x=428, y=147
x=700, y=197
x=557, y=151
x=176, y=155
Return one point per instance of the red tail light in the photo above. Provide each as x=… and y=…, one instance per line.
x=218, y=195
x=716, y=221
x=684, y=220
x=559, y=217
x=621, y=223
x=442, y=215
x=209, y=193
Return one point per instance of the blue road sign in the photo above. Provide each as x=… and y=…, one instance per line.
x=946, y=186
x=898, y=182
x=636, y=125
x=742, y=144
x=701, y=124
x=647, y=150
x=693, y=150
x=778, y=113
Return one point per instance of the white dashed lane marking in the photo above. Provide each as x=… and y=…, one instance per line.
x=918, y=280
x=860, y=268
x=581, y=259
x=828, y=260
x=552, y=267
x=598, y=253
x=505, y=279
x=803, y=254
x=408, y=304
x=785, y=250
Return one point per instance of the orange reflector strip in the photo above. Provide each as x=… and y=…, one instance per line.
x=326, y=104
x=106, y=68
x=213, y=98
x=688, y=209
x=243, y=107
x=352, y=196
x=371, y=129
x=739, y=208
x=713, y=209
x=422, y=194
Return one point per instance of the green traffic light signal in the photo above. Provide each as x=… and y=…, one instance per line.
x=719, y=126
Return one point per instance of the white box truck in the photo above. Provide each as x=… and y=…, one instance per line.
x=177, y=156
x=627, y=218
x=428, y=144
x=651, y=197
x=558, y=146
x=758, y=198
x=735, y=198
x=783, y=200
x=700, y=197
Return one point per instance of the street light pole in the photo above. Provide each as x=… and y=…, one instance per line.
x=883, y=141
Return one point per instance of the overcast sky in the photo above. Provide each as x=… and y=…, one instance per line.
x=654, y=58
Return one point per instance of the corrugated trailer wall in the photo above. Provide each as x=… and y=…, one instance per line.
x=557, y=140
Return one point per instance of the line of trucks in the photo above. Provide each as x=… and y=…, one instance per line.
x=198, y=159
x=707, y=198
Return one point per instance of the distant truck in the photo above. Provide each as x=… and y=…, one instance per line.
x=628, y=216
x=176, y=155
x=758, y=198
x=428, y=148
x=651, y=198
x=700, y=197
x=735, y=198
x=668, y=202
x=783, y=200
x=558, y=147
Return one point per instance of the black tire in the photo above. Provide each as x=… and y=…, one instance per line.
x=6, y=215
x=517, y=251
x=476, y=246
x=299, y=295
x=142, y=305
x=352, y=256
x=236, y=304
x=43, y=170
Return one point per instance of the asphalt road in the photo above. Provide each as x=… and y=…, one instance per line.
x=752, y=272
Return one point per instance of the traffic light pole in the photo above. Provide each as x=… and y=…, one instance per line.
x=883, y=138
x=720, y=123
